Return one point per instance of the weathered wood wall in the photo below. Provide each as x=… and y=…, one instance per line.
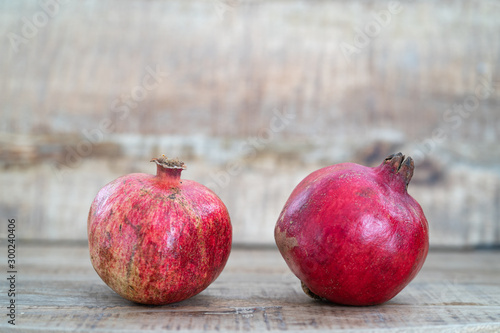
x=253, y=96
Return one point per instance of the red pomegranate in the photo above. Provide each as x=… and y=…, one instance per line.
x=158, y=239
x=352, y=234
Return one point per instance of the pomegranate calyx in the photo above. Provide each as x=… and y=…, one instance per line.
x=168, y=171
x=406, y=170
x=402, y=165
x=169, y=163
x=395, y=160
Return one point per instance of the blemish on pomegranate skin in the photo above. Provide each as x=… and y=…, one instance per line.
x=286, y=243
x=365, y=193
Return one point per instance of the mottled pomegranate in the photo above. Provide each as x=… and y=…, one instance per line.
x=352, y=234
x=158, y=239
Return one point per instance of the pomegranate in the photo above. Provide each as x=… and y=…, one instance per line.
x=352, y=234
x=158, y=239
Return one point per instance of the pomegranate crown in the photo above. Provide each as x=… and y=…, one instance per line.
x=169, y=163
x=401, y=165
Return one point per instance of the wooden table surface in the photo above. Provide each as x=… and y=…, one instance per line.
x=58, y=291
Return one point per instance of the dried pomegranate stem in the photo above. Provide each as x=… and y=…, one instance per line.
x=401, y=166
x=169, y=170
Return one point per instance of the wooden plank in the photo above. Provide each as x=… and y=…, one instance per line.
x=462, y=207
x=224, y=76
x=58, y=291
x=230, y=67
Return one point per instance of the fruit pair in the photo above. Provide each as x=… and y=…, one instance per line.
x=351, y=234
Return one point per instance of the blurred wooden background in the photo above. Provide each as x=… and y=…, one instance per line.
x=253, y=96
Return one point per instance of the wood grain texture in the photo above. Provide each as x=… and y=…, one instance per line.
x=427, y=84
x=60, y=292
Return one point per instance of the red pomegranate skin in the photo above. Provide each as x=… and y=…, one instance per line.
x=157, y=239
x=352, y=234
